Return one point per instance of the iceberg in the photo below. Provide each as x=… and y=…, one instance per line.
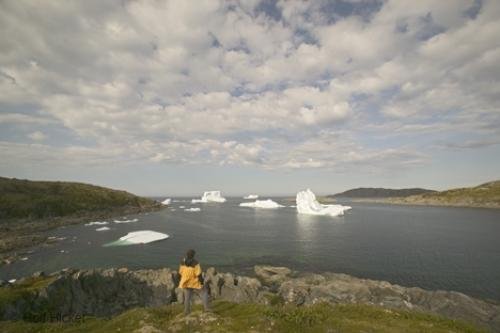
x=251, y=197
x=96, y=223
x=307, y=204
x=210, y=196
x=194, y=209
x=102, y=229
x=166, y=202
x=126, y=221
x=266, y=204
x=139, y=237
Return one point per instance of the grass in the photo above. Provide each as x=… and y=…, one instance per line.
x=24, y=199
x=484, y=195
x=231, y=317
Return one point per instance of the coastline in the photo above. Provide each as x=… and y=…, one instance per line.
x=433, y=203
x=113, y=293
x=17, y=235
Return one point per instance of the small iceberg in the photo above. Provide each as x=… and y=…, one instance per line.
x=102, y=229
x=166, y=202
x=251, y=197
x=307, y=204
x=194, y=209
x=126, y=221
x=265, y=204
x=210, y=196
x=138, y=237
x=96, y=223
x=12, y=280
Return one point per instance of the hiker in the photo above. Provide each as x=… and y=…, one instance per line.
x=191, y=281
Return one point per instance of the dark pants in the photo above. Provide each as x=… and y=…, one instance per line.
x=188, y=293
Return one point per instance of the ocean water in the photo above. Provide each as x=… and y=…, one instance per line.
x=428, y=247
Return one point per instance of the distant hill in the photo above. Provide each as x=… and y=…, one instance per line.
x=25, y=199
x=374, y=192
x=485, y=195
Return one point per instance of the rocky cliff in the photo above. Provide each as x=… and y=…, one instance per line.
x=107, y=292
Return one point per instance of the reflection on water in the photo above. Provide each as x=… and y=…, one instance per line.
x=429, y=247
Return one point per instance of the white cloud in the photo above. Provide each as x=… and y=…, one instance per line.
x=213, y=82
x=37, y=136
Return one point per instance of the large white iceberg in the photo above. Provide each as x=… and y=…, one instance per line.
x=210, y=196
x=139, y=237
x=166, y=202
x=307, y=204
x=102, y=229
x=251, y=197
x=266, y=204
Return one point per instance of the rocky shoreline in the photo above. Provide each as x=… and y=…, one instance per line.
x=18, y=235
x=108, y=292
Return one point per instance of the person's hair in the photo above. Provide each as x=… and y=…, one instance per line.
x=190, y=254
x=189, y=259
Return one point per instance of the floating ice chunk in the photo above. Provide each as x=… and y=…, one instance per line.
x=182, y=206
x=96, y=223
x=12, y=280
x=210, y=196
x=166, y=201
x=102, y=229
x=24, y=258
x=307, y=204
x=139, y=237
x=266, y=204
x=126, y=221
x=193, y=209
x=251, y=197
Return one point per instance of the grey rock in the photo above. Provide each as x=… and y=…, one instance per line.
x=107, y=292
x=341, y=289
x=271, y=275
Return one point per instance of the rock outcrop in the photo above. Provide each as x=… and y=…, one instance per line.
x=106, y=292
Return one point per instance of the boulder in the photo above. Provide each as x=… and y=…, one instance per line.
x=270, y=275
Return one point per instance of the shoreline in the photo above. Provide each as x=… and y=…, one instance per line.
x=72, y=290
x=402, y=202
x=21, y=234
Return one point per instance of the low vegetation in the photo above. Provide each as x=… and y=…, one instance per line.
x=28, y=208
x=24, y=199
x=485, y=195
x=232, y=317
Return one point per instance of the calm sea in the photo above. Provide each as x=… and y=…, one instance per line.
x=428, y=247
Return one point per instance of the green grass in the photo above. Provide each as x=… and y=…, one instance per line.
x=231, y=317
x=24, y=199
x=484, y=195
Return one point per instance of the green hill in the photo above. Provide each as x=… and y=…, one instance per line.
x=375, y=192
x=27, y=208
x=485, y=195
x=25, y=199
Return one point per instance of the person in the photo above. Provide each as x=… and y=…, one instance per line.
x=192, y=281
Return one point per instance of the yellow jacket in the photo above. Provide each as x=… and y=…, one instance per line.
x=189, y=276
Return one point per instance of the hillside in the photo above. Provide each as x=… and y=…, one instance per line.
x=25, y=199
x=27, y=208
x=376, y=192
x=485, y=195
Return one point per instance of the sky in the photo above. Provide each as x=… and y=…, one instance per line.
x=267, y=97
